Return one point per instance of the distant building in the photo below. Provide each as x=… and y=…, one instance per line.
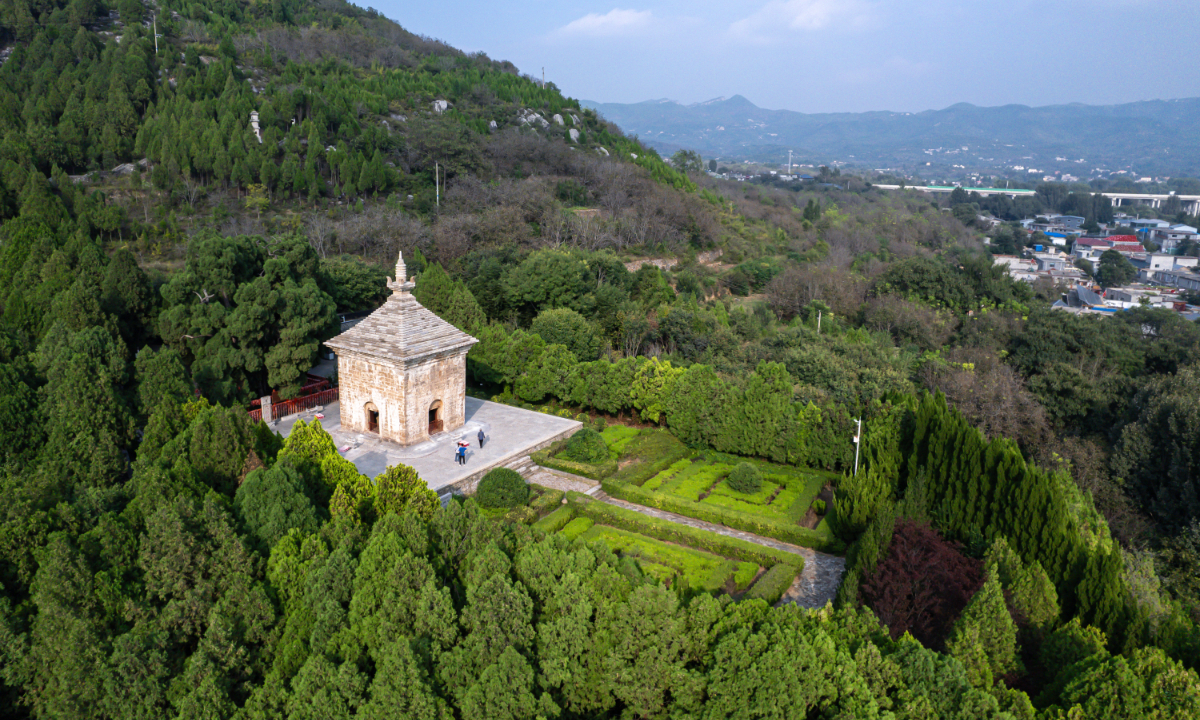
x=1180, y=278
x=1051, y=261
x=1147, y=223
x=1083, y=300
x=1172, y=237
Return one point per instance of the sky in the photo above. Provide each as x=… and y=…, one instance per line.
x=834, y=55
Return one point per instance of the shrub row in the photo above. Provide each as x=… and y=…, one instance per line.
x=667, y=531
x=546, y=458
x=773, y=584
x=556, y=520
x=638, y=474
x=522, y=514
x=784, y=531
x=576, y=527
x=744, y=575
x=547, y=499
x=599, y=471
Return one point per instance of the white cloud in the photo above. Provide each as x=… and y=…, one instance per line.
x=798, y=15
x=613, y=23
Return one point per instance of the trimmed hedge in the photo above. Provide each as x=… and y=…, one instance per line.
x=576, y=527
x=744, y=575
x=556, y=520
x=547, y=499
x=745, y=479
x=522, y=514
x=586, y=446
x=786, y=532
x=633, y=521
x=502, y=488
x=773, y=584
x=637, y=474
x=546, y=458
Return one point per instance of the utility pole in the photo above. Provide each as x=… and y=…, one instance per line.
x=789, y=163
x=857, y=444
x=155, y=21
x=818, y=322
x=543, y=77
x=437, y=192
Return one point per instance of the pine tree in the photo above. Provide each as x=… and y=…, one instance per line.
x=434, y=289
x=985, y=638
x=463, y=312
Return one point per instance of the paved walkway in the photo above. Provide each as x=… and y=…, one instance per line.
x=556, y=480
x=817, y=583
x=512, y=433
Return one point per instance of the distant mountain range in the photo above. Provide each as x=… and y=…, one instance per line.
x=1152, y=138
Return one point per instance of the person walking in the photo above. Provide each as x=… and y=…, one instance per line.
x=462, y=453
x=481, y=438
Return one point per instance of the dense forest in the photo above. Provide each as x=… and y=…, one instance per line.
x=1023, y=533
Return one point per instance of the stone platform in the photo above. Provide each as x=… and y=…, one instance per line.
x=512, y=434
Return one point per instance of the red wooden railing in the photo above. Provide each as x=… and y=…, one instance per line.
x=312, y=384
x=300, y=404
x=283, y=408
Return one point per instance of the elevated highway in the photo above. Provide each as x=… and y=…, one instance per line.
x=1188, y=203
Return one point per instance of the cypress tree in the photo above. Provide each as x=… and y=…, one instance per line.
x=434, y=289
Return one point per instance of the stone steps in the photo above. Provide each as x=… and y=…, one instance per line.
x=523, y=465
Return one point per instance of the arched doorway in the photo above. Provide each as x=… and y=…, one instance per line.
x=435, y=417
x=372, y=418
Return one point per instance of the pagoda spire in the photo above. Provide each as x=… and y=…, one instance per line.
x=400, y=285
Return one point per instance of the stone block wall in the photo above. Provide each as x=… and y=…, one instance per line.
x=363, y=380
x=402, y=394
x=439, y=378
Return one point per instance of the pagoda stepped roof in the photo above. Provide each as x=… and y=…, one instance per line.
x=402, y=329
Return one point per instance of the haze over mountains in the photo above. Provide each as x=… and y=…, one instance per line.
x=1151, y=138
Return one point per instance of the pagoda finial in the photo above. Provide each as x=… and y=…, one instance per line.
x=401, y=285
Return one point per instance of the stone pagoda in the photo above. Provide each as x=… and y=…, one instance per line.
x=402, y=370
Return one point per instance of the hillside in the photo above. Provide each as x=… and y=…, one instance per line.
x=1150, y=138
x=307, y=102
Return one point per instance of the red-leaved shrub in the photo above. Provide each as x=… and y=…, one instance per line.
x=921, y=585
